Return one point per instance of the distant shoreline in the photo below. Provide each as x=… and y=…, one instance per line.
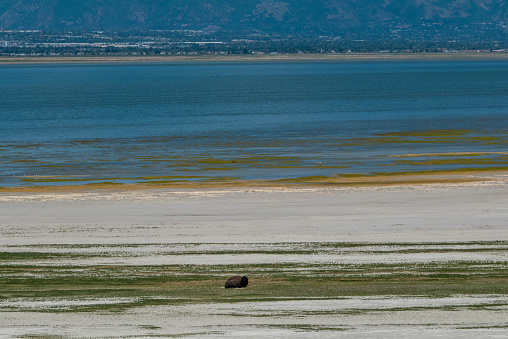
x=342, y=57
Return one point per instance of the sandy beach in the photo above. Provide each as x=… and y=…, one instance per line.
x=283, y=236
x=436, y=212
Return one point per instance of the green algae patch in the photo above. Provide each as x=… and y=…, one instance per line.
x=425, y=172
x=429, y=133
x=254, y=160
x=373, y=141
x=172, y=177
x=303, y=180
x=452, y=162
x=163, y=182
x=55, y=180
x=443, y=176
x=428, y=137
x=218, y=168
x=215, y=162
x=448, y=154
x=87, y=141
x=221, y=179
x=105, y=183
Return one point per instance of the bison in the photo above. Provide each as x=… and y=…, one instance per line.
x=237, y=282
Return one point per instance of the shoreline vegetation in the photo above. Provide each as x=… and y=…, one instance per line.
x=397, y=281
x=87, y=277
x=458, y=176
x=339, y=57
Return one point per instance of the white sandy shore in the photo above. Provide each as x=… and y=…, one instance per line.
x=163, y=223
x=358, y=317
x=428, y=213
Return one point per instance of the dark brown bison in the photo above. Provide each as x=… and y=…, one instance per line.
x=237, y=282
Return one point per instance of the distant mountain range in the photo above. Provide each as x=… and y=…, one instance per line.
x=240, y=15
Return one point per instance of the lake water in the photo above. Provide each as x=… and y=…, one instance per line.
x=68, y=124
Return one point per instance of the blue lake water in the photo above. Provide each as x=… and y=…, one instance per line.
x=123, y=122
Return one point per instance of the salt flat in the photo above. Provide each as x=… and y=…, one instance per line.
x=465, y=212
x=350, y=317
x=398, y=261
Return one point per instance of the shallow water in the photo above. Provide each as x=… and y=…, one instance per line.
x=72, y=124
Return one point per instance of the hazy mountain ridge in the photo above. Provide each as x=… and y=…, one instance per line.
x=284, y=16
